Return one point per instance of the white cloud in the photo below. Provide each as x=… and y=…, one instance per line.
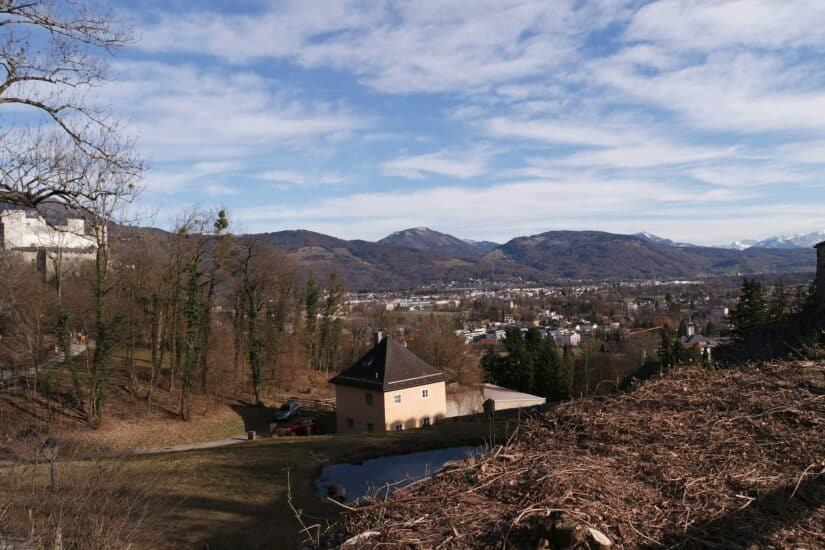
x=185, y=111
x=752, y=174
x=653, y=154
x=300, y=179
x=219, y=190
x=564, y=131
x=673, y=116
x=519, y=207
x=428, y=45
x=710, y=25
x=442, y=164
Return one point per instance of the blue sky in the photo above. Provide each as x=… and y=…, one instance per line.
x=699, y=121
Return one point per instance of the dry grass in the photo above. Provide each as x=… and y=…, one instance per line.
x=696, y=459
x=237, y=496
x=92, y=504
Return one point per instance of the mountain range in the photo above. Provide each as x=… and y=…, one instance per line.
x=800, y=240
x=421, y=256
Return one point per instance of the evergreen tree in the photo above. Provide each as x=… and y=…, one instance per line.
x=683, y=328
x=515, y=368
x=330, y=329
x=670, y=352
x=551, y=378
x=751, y=312
x=311, y=298
x=710, y=329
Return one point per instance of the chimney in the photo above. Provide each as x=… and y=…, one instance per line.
x=377, y=336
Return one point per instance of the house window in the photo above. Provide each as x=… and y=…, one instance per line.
x=425, y=393
x=350, y=423
x=425, y=421
x=369, y=399
x=397, y=398
x=399, y=427
x=370, y=427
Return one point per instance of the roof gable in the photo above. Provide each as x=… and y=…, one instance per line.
x=389, y=366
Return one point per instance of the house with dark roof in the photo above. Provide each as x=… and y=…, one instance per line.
x=389, y=388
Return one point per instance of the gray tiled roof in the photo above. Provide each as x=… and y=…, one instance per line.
x=389, y=366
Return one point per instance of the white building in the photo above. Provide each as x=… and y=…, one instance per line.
x=28, y=234
x=564, y=337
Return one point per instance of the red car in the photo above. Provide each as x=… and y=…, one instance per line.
x=305, y=426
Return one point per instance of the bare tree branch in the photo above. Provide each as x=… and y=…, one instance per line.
x=51, y=52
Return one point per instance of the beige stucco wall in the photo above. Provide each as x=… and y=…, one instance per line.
x=413, y=408
x=352, y=403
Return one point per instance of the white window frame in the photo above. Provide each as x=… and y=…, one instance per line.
x=425, y=393
x=397, y=399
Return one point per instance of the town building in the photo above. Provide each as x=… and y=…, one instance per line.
x=389, y=388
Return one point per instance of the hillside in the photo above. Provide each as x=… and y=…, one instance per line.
x=695, y=459
x=423, y=238
x=413, y=258
x=368, y=265
x=599, y=255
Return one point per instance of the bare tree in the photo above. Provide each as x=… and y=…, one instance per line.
x=260, y=272
x=101, y=213
x=52, y=52
x=435, y=341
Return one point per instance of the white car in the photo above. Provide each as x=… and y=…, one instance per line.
x=288, y=410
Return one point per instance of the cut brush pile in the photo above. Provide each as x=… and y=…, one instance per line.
x=693, y=459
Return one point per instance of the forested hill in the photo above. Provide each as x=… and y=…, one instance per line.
x=541, y=258
x=599, y=255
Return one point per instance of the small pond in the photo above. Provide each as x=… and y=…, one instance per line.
x=372, y=476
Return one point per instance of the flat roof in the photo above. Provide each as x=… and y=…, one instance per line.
x=497, y=393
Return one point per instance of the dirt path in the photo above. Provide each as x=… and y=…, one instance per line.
x=233, y=440
x=224, y=442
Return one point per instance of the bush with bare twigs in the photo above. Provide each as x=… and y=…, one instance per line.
x=79, y=504
x=693, y=459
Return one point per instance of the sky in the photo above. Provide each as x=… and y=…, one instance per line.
x=699, y=121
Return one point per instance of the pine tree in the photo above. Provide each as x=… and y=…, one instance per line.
x=311, y=298
x=751, y=312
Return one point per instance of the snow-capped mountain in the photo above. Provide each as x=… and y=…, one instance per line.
x=742, y=245
x=799, y=240
x=803, y=240
x=659, y=240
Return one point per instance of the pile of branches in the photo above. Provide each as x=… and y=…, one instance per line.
x=693, y=459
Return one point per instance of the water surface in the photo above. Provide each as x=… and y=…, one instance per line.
x=372, y=476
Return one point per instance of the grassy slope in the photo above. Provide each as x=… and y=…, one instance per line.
x=237, y=496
